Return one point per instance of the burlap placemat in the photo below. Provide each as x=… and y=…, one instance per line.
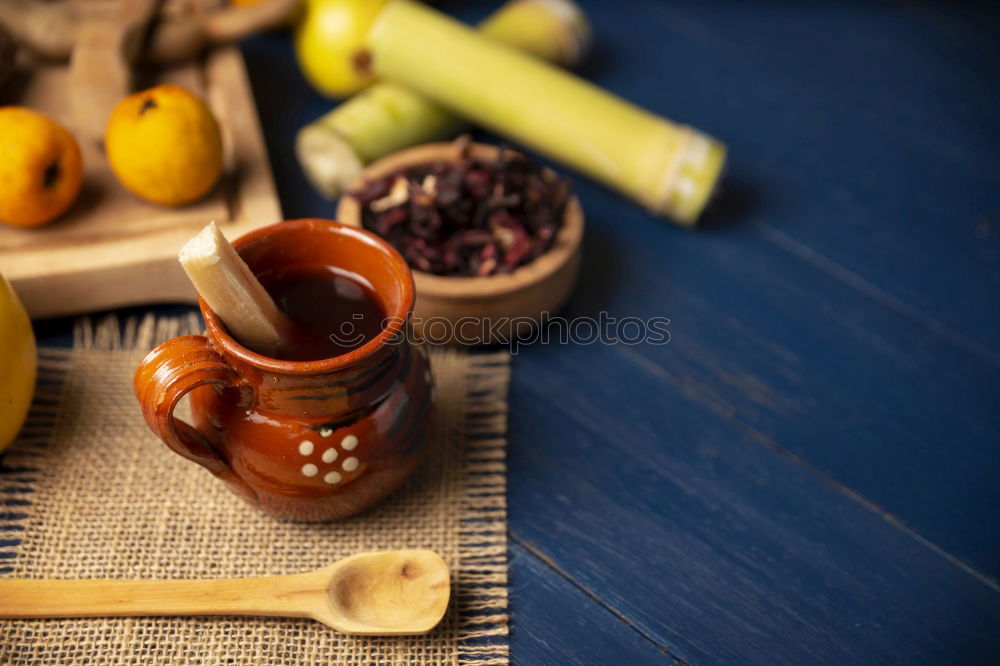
x=90, y=493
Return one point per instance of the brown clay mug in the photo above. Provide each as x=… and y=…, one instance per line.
x=302, y=440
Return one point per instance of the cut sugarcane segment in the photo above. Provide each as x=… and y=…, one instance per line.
x=231, y=290
x=385, y=118
x=671, y=169
x=553, y=30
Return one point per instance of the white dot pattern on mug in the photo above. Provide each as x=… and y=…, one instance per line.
x=330, y=454
x=325, y=432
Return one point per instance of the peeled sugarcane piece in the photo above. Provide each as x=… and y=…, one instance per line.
x=386, y=117
x=670, y=169
x=231, y=290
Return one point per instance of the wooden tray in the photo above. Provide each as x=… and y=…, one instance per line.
x=112, y=249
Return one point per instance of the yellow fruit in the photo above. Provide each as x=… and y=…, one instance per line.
x=164, y=145
x=329, y=44
x=40, y=168
x=17, y=364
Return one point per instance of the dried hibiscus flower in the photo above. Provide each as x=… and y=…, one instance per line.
x=470, y=218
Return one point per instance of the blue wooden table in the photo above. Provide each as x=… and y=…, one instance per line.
x=808, y=471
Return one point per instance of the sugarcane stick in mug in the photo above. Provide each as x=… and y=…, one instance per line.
x=385, y=117
x=670, y=169
x=231, y=290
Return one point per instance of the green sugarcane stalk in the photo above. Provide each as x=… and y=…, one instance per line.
x=671, y=169
x=386, y=117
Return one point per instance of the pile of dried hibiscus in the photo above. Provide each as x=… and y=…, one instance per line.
x=471, y=218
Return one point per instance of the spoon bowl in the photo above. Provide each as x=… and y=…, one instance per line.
x=395, y=592
x=385, y=593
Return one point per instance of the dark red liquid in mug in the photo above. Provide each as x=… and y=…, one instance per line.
x=332, y=311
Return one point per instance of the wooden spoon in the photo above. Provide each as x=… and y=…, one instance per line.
x=369, y=594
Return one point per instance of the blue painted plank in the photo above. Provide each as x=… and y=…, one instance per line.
x=878, y=402
x=863, y=132
x=724, y=550
x=553, y=621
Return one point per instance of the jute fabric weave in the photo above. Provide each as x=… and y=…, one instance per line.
x=89, y=492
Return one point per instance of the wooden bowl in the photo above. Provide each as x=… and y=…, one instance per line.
x=482, y=310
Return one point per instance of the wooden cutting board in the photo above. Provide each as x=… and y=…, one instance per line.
x=113, y=249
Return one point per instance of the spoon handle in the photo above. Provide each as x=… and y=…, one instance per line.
x=289, y=596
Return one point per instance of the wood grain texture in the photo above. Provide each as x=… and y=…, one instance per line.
x=554, y=621
x=720, y=548
x=862, y=136
x=803, y=363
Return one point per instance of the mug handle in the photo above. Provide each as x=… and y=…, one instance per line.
x=164, y=376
